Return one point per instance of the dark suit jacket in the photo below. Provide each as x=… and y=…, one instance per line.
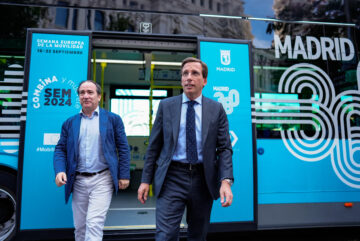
x=216, y=145
x=114, y=144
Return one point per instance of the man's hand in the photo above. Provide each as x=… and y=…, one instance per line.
x=143, y=192
x=123, y=183
x=225, y=194
x=60, y=179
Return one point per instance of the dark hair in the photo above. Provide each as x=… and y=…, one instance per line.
x=203, y=65
x=98, y=87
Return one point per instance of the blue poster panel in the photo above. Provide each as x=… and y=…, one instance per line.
x=58, y=63
x=229, y=82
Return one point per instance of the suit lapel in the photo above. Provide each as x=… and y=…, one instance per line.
x=76, y=132
x=103, y=119
x=176, y=115
x=205, y=119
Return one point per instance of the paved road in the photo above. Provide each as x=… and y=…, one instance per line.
x=323, y=234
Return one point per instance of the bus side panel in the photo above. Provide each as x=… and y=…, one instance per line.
x=230, y=83
x=307, y=123
x=57, y=65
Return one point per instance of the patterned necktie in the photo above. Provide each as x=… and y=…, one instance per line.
x=191, y=150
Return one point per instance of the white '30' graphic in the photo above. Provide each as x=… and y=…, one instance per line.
x=229, y=102
x=330, y=114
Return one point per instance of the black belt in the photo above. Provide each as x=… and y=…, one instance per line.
x=187, y=166
x=90, y=174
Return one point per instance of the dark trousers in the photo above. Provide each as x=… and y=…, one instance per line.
x=183, y=188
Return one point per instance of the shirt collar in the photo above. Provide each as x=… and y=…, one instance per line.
x=186, y=99
x=95, y=113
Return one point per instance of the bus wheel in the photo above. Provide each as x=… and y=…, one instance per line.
x=7, y=205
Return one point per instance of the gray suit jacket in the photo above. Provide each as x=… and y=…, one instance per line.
x=216, y=144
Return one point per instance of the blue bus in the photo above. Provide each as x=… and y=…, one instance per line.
x=287, y=74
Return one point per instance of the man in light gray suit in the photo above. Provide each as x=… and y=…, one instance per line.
x=189, y=158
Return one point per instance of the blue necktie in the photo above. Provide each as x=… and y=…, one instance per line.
x=191, y=150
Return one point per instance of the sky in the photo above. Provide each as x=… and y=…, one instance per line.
x=260, y=9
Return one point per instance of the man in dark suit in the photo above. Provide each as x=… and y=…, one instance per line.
x=189, y=157
x=92, y=158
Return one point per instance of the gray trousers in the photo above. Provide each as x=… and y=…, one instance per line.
x=90, y=203
x=183, y=188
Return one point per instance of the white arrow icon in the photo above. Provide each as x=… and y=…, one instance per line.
x=235, y=139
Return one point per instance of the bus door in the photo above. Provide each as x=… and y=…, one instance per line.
x=135, y=72
x=137, y=75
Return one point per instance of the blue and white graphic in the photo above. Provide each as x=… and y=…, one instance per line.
x=230, y=101
x=335, y=141
x=9, y=147
x=225, y=57
x=51, y=139
x=229, y=83
x=11, y=112
x=58, y=63
x=233, y=138
x=9, y=150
